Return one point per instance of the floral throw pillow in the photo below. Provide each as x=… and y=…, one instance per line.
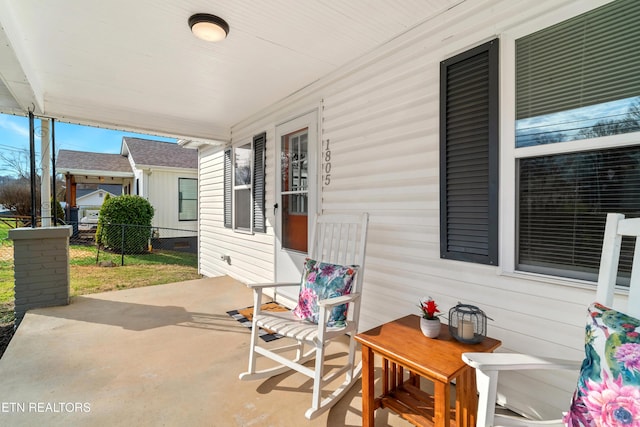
x=321, y=281
x=608, y=392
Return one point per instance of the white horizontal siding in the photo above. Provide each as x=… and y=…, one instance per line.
x=251, y=255
x=381, y=117
x=162, y=193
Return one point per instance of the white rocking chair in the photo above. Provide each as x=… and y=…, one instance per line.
x=488, y=365
x=336, y=239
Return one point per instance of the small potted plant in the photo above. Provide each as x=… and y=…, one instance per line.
x=429, y=322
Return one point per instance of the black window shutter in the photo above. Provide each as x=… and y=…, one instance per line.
x=259, y=221
x=227, y=188
x=469, y=155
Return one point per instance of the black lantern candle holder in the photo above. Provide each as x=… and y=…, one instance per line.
x=467, y=323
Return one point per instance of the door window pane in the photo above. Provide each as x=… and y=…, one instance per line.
x=294, y=191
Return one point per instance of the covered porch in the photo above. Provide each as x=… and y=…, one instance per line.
x=160, y=355
x=372, y=81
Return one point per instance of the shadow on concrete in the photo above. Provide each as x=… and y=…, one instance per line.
x=140, y=317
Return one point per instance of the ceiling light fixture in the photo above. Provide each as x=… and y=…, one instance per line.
x=208, y=27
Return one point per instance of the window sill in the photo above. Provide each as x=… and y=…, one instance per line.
x=554, y=280
x=241, y=231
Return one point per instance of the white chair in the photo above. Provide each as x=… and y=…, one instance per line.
x=488, y=365
x=336, y=239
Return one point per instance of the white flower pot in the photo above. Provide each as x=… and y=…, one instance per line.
x=430, y=327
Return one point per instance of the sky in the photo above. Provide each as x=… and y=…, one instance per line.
x=14, y=137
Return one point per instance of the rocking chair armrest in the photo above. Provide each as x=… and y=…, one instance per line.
x=515, y=361
x=331, y=302
x=271, y=285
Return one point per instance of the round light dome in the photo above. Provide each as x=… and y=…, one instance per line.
x=208, y=27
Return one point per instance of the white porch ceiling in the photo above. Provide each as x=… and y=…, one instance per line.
x=135, y=65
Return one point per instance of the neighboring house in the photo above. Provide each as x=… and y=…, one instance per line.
x=92, y=198
x=89, y=203
x=102, y=170
x=164, y=173
x=487, y=146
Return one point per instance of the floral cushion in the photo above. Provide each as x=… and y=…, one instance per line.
x=608, y=392
x=321, y=281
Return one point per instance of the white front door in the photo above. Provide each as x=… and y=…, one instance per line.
x=296, y=145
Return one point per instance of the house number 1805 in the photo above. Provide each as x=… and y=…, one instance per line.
x=326, y=171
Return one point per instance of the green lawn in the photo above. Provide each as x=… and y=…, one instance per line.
x=4, y=231
x=6, y=275
x=86, y=277
x=86, y=256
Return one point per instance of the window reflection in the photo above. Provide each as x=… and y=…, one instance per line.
x=243, y=165
x=609, y=118
x=242, y=187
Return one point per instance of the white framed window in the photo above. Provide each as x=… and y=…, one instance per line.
x=242, y=183
x=244, y=172
x=574, y=152
x=187, y=199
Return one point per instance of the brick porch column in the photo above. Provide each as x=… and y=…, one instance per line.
x=41, y=262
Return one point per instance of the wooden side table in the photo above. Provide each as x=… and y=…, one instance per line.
x=402, y=346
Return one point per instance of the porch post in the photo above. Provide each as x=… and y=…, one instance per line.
x=41, y=260
x=45, y=179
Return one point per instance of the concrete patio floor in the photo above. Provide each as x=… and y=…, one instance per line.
x=157, y=356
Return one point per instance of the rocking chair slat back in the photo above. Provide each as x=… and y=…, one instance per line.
x=339, y=243
x=617, y=227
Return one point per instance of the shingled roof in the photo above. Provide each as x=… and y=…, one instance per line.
x=70, y=161
x=146, y=152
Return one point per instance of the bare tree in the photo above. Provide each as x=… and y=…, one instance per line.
x=629, y=123
x=16, y=197
x=15, y=191
x=16, y=162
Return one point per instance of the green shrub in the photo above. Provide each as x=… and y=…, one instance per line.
x=57, y=210
x=134, y=213
x=99, y=227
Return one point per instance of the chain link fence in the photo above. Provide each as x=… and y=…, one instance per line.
x=129, y=239
x=6, y=245
x=114, y=242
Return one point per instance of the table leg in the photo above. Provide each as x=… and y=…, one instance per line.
x=385, y=376
x=368, y=408
x=442, y=400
